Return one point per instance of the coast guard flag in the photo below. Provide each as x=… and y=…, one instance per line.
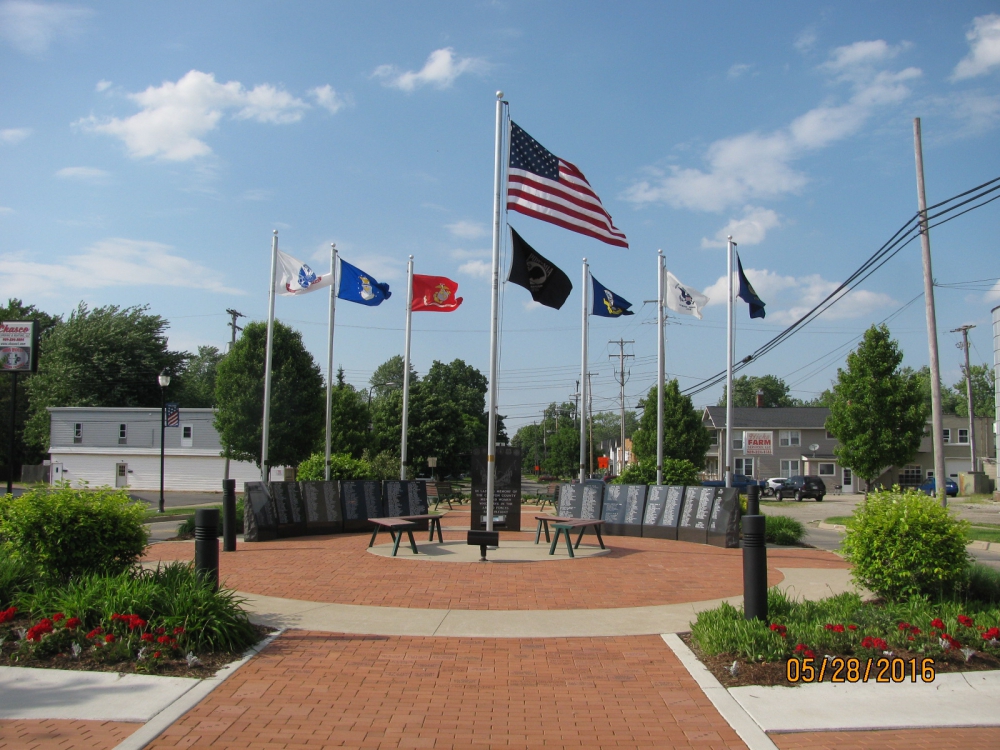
x=607, y=304
x=434, y=294
x=358, y=286
x=548, y=285
x=747, y=293
x=297, y=277
x=684, y=299
x=543, y=186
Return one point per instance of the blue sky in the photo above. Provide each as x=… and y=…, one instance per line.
x=147, y=151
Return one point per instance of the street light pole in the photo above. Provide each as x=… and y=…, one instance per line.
x=164, y=381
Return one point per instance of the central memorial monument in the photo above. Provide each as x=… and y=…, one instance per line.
x=507, y=489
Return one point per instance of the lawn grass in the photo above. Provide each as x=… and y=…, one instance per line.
x=984, y=534
x=181, y=511
x=841, y=520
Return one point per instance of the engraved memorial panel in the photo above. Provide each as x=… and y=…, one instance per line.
x=724, y=524
x=671, y=500
x=506, y=489
x=359, y=501
x=624, y=505
x=693, y=526
x=405, y=498
x=321, y=502
x=590, y=503
x=288, y=503
x=259, y=521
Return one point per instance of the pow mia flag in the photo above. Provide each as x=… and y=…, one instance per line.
x=548, y=285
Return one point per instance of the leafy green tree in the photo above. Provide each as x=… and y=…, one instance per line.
x=950, y=399
x=684, y=435
x=607, y=425
x=348, y=418
x=297, y=398
x=675, y=471
x=108, y=356
x=563, y=452
x=196, y=382
x=745, y=389
x=877, y=413
x=984, y=383
x=24, y=453
x=465, y=387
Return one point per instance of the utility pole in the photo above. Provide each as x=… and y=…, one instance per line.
x=622, y=377
x=590, y=416
x=964, y=330
x=576, y=401
x=234, y=314
x=937, y=423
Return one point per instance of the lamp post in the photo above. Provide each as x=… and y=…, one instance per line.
x=164, y=381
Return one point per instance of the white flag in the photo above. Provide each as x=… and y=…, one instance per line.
x=297, y=277
x=684, y=299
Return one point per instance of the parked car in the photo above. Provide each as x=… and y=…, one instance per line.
x=800, y=487
x=774, y=484
x=740, y=482
x=950, y=487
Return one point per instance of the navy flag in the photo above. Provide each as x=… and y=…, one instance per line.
x=358, y=286
x=548, y=285
x=747, y=293
x=607, y=304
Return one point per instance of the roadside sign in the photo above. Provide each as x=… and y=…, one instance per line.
x=18, y=346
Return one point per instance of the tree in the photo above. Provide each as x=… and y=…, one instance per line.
x=607, y=425
x=564, y=452
x=348, y=419
x=950, y=400
x=108, y=356
x=24, y=453
x=745, y=389
x=984, y=383
x=684, y=435
x=877, y=414
x=297, y=398
x=196, y=382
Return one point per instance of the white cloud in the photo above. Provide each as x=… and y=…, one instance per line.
x=102, y=86
x=440, y=70
x=113, y=262
x=12, y=136
x=480, y=268
x=738, y=70
x=461, y=254
x=806, y=40
x=976, y=111
x=468, y=230
x=32, y=27
x=6, y=210
x=749, y=229
x=755, y=165
x=174, y=117
x=994, y=294
x=788, y=298
x=984, y=48
x=85, y=174
x=327, y=98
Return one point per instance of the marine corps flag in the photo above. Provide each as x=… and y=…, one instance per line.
x=434, y=294
x=548, y=285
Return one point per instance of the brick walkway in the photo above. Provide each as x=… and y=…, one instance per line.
x=973, y=738
x=54, y=734
x=638, y=572
x=321, y=690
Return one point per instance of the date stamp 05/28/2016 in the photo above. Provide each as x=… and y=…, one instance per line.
x=885, y=670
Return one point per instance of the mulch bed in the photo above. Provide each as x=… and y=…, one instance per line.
x=88, y=662
x=774, y=673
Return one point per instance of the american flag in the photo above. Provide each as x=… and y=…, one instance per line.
x=543, y=186
x=173, y=416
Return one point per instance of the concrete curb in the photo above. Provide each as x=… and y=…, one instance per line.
x=166, y=717
x=734, y=714
x=831, y=526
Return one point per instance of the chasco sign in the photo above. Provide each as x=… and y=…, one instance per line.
x=758, y=443
x=17, y=344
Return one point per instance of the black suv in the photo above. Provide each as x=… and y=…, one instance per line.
x=800, y=487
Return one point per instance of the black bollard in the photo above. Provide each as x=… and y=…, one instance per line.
x=753, y=500
x=206, y=543
x=754, y=568
x=228, y=515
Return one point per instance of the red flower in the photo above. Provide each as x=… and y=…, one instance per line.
x=134, y=621
x=58, y=617
x=808, y=653
x=7, y=614
x=952, y=642
x=852, y=627
x=109, y=638
x=904, y=626
x=178, y=630
x=880, y=644
x=72, y=623
x=991, y=634
x=938, y=623
x=800, y=648
x=161, y=631
x=966, y=621
x=867, y=642
x=43, y=627
x=838, y=628
x=915, y=630
x=779, y=629
x=157, y=654
x=163, y=639
x=148, y=637
x=115, y=616
x=95, y=632
x=828, y=626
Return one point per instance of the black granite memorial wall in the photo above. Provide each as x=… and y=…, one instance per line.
x=288, y=508
x=506, y=489
x=359, y=501
x=660, y=519
x=405, y=498
x=321, y=502
x=624, y=505
x=724, y=523
x=693, y=526
x=259, y=522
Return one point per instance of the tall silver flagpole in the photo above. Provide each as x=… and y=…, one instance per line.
x=729, y=362
x=406, y=369
x=266, y=427
x=329, y=357
x=659, y=367
x=583, y=374
x=491, y=439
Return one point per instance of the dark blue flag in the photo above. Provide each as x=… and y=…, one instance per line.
x=608, y=304
x=358, y=286
x=747, y=293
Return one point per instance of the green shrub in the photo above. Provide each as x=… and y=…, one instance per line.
x=783, y=530
x=342, y=466
x=903, y=543
x=15, y=576
x=984, y=584
x=675, y=471
x=65, y=532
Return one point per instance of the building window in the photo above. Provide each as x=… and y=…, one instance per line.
x=830, y=435
x=78, y=433
x=738, y=443
x=744, y=466
x=187, y=434
x=789, y=467
x=122, y=434
x=963, y=436
x=827, y=470
x=715, y=438
x=947, y=435
x=910, y=476
x=848, y=479
x=788, y=438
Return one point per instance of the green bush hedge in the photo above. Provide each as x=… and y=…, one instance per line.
x=63, y=532
x=675, y=471
x=903, y=544
x=783, y=530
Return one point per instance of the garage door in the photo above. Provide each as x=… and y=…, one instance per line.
x=952, y=466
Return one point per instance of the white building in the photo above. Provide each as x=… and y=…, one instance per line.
x=120, y=447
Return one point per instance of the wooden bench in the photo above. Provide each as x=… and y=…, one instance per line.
x=434, y=523
x=442, y=492
x=395, y=527
x=543, y=523
x=550, y=496
x=582, y=525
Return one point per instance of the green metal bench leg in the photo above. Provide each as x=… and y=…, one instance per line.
x=436, y=522
x=600, y=539
x=555, y=541
x=374, y=534
x=538, y=532
x=578, y=537
x=569, y=543
x=396, y=537
x=413, y=544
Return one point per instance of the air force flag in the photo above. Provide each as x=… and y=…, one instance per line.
x=297, y=277
x=683, y=299
x=358, y=286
